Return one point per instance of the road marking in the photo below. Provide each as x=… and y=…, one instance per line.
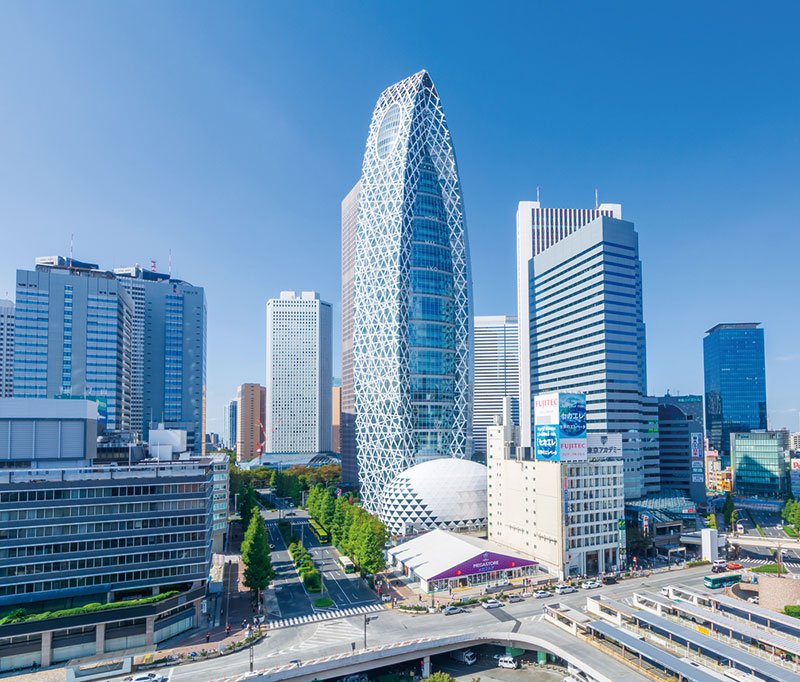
x=169, y=674
x=327, y=615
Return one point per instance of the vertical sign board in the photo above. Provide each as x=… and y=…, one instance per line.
x=794, y=476
x=566, y=412
x=546, y=445
x=697, y=453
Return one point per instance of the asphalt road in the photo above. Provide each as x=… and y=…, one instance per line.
x=338, y=636
x=769, y=522
x=346, y=590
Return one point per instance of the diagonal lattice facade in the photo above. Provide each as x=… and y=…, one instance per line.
x=412, y=336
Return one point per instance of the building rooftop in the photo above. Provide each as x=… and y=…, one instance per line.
x=733, y=325
x=438, y=550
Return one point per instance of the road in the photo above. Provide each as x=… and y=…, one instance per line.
x=756, y=549
x=341, y=635
x=294, y=601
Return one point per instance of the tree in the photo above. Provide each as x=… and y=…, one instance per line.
x=247, y=504
x=728, y=508
x=327, y=509
x=371, y=544
x=441, y=677
x=255, y=556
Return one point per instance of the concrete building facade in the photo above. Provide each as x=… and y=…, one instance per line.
x=299, y=373
x=168, y=353
x=496, y=374
x=7, y=327
x=681, y=445
x=566, y=515
x=348, y=420
x=587, y=335
x=251, y=417
x=336, y=419
x=74, y=325
x=538, y=228
x=75, y=536
x=230, y=420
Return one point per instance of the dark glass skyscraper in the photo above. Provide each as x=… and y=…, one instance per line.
x=735, y=382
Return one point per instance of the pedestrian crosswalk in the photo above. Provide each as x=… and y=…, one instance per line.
x=327, y=634
x=324, y=615
x=761, y=562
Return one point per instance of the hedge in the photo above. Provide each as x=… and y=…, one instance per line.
x=700, y=562
x=791, y=532
x=20, y=615
x=768, y=568
x=792, y=610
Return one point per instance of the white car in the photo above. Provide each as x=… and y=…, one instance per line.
x=590, y=585
x=541, y=594
x=491, y=604
x=565, y=589
x=149, y=677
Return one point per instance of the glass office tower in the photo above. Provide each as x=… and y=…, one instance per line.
x=412, y=292
x=735, y=382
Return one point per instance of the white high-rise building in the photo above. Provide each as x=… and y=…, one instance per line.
x=6, y=348
x=299, y=374
x=537, y=229
x=587, y=335
x=496, y=373
x=229, y=420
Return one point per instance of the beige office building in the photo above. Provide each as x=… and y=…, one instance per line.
x=336, y=419
x=565, y=515
x=250, y=420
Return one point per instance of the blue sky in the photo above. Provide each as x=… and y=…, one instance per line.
x=229, y=133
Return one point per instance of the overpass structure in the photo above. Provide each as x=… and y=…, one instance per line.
x=746, y=541
x=595, y=664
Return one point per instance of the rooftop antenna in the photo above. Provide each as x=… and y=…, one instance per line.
x=596, y=203
x=152, y=266
x=71, y=239
x=170, y=263
x=537, y=193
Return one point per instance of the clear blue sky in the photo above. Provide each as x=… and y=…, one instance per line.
x=229, y=132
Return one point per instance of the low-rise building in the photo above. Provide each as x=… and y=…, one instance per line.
x=76, y=536
x=221, y=495
x=567, y=511
x=760, y=463
x=46, y=432
x=443, y=561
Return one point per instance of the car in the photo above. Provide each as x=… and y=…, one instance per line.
x=779, y=526
x=565, y=589
x=590, y=585
x=733, y=566
x=271, y=547
x=718, y=569
x=149, y=677
x=753, y=600
x=508, y=662
x=514, y=598
x=609, y=580
x=450, y=610
x=492, y=604
x=541, y=594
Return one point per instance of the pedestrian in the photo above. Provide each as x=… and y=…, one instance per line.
x=208, y=637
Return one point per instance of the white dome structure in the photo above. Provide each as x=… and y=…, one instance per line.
x=448, y=493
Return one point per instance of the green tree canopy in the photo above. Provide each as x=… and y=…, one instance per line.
x=256, y=556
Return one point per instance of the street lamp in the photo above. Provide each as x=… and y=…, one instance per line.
x=367, y=619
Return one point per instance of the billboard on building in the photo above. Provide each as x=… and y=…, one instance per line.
x=565, y=413
x=604, y=445
x=546, y=436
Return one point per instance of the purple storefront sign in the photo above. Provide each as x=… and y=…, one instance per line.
x=488, y=561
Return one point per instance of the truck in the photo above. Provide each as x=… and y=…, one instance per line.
x=465, y=656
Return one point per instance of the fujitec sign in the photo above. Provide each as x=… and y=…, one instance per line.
x=562, y=418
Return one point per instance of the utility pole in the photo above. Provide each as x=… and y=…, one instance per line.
x=367, y=620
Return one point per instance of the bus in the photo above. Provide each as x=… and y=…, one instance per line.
x=319, y=532
x=347, y=565
x=722, y=580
